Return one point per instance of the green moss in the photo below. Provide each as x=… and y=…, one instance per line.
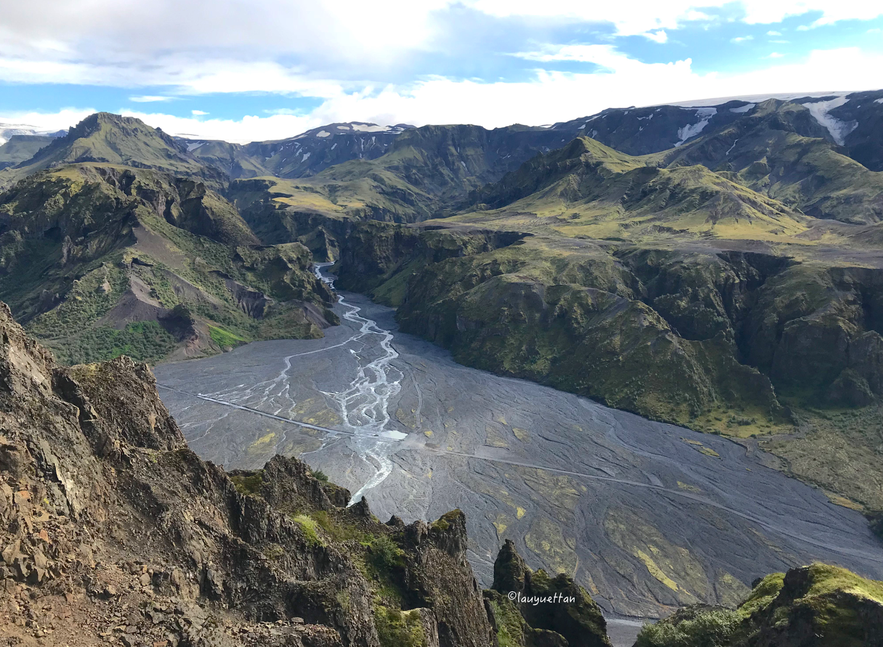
x=384, y=555
x=397, y=628
x=248, y=483
x=510, y=624
x=310, y=529
x=224, y=338
x=762, y=594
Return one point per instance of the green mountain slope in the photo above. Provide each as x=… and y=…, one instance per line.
x=20, y=148
x=591, y=190
x=99, y=260
x=425, y=173
x=112, y=139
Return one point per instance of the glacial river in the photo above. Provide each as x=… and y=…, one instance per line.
x=646, y=516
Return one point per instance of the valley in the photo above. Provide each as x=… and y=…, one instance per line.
x=646, y=516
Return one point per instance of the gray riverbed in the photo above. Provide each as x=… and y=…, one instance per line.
x=646, y=516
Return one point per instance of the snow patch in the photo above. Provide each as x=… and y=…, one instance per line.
x=745, y=108
x=334, y=145
x=704, y=115
x=583, y=126
x=370, y=128
x=305, y=157
x=323, y=133
x=344, y=127
x=838, y=129
x=193, y=147
x=880, y=100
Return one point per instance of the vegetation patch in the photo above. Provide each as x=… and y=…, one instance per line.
x=310, y=529
x=248, y=483
x=225, y=338
x=396, y=628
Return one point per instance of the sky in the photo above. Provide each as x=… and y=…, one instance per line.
x=248, y=70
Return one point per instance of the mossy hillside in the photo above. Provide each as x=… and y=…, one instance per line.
x=20, y=148
x=576, y=320
x=819, y=604
x=113, y=139
x=426, y=172
x=98, y=250
x=839, y=451
x=587, y=189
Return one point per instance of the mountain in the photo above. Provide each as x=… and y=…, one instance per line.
x=9, y=130
x=111, y=139
x=820, y=154
x=114, y=530
x=783, y=150
x=849, y=120
x=100, y=260
x=640, y=131
x=589, y=189
x=426, y=172
x=301, y=156
x=20, y=148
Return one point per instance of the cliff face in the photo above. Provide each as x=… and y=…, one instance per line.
x=111, y=529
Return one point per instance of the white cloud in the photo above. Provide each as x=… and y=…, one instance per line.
x=543, y=98
x=551, y=96
x=149, y=99
x=198, y=113
x=741, y=39
x=806, y=27
x=780, y=42
x=774, y=33
x=775, y=55
x=658, y=36
x=639, y=16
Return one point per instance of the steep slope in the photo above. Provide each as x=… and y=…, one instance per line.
x=112, y=139
x=863, y=116
x=782, y=150
x=100, y=260
x=232, y=159
x=114, y=531
x=815, y=606
x=639, y=131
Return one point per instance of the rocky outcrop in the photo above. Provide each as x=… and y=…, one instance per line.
x=111, y=529
x=532, y=609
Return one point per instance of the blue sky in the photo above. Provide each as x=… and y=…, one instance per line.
x=243, y=71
